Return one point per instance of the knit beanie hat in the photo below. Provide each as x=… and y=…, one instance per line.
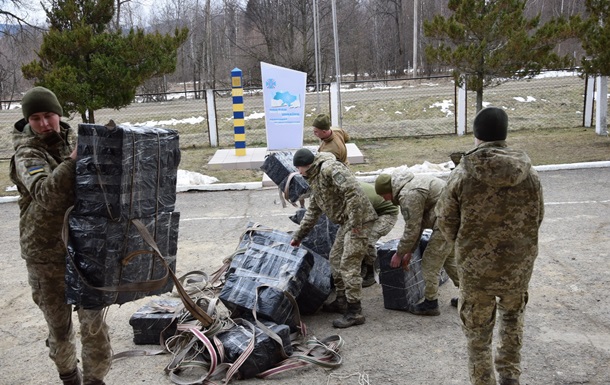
x=40, y=99
x=383, y=184
x=491, y=124
x=303, y=157
x=322, y=122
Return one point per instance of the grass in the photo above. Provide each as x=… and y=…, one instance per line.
x=544, y=146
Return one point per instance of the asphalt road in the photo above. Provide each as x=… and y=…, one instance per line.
x=567, y=332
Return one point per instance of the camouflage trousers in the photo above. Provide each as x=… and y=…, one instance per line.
x=382, y=226
x=48, y=291
x=478, y=314
x=438, y=254
x=346, y=256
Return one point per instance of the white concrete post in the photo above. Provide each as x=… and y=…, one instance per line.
x=334, y=105
x=589, y=98
x=212, y=125
x=461, y=110
x=601, y=103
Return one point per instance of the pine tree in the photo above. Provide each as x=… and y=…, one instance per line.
x=491, y=41
x=595, y=37
x=90, y=67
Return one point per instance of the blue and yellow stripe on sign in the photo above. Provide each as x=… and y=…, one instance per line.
x=239, y=129
x=35, y=170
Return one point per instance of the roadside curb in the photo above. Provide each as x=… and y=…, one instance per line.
x=367, y=178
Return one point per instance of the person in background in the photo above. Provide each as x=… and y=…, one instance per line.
x=492, y=209
x=387, y=214
x=417, y=196
x=336, y=193
x=332, y=139
x=43, y=169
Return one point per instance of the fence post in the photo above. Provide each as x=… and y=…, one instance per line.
x=589, y=98
x=239, y=128
x=334, y=105
x=212, y=123
x=601, y=101
x=461, y=110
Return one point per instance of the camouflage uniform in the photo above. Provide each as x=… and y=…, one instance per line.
x=44, y=174
x=492, y=209
x=387, y=214
x=335, y=144
x=417, y=196
x=336, y=192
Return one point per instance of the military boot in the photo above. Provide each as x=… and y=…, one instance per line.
x=426, y=308
x=509, y=381
x=369, y=276
x=72, y=378
x=339, y=305
x=95, y=382
x=454, y=301
x=352, y=317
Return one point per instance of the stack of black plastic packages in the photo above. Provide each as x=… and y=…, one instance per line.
x=403, y=289
x=321, y=237
x=122, y=174
x=279, y=168
x=271, y=277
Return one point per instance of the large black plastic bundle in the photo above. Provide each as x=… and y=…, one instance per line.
x=97, y=247
x=153, y=319
x=266, y=351
x=278, y=167
x=403, y=289
x=279, y=265
x=318, y=286
x=239, y=294
x=321, y=238
x=298, y=188
x=126, y=172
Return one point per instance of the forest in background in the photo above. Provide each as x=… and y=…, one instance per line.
x=375, y=38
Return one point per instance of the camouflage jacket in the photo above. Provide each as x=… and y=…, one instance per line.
x=492, y=209
x=417, y=196
x=44, y=174
x=335, y=144
x=336, y=193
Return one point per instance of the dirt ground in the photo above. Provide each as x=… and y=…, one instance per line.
x=567, y=331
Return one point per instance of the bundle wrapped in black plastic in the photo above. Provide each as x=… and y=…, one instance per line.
x=239, y=294
x=97, y=248
x=266, y=351
x=279, y=168
x=279, y=265
x=262, y=235
x=318, y=286
x=298, y=188
x=403, y=289
x=321, y=238
x=126, y=172
x=153, y=319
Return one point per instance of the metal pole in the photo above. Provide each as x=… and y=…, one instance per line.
x=337, y=65
x=415, y=31
x=316, y=44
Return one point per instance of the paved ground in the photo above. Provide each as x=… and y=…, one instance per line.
x=567, y=334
